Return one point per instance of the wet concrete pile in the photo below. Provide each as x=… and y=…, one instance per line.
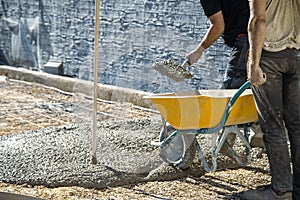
x=60, y=156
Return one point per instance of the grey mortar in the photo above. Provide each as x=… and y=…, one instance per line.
x=60, y=156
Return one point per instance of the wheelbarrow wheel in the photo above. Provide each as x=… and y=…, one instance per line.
x=180, y=151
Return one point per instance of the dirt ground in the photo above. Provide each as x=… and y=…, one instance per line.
x=30, y=106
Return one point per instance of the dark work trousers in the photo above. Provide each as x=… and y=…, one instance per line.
x=236, y=74
x=278, y=104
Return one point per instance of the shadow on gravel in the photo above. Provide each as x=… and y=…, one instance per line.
x=12, y=196
x=256, y=169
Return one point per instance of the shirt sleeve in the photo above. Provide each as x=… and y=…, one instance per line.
x=210, y=7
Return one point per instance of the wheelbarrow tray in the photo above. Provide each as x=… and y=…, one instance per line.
x=204, y=108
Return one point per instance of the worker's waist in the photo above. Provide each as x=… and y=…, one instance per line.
x=242, y=35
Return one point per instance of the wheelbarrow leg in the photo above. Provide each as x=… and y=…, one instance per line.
x=203, y=160
x=163, y=131
x=235, y=130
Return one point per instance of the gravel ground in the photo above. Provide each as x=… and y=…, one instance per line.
x=45, y=152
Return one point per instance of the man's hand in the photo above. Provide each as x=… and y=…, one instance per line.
x=255, y=75
x=194, y=55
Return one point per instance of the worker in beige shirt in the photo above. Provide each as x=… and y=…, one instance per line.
x=273, y=69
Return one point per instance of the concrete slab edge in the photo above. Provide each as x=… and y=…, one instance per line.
x=74, y=85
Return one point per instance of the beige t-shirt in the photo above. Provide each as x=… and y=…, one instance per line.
x=283, y=25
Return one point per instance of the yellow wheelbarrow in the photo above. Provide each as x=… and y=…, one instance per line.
x=188, y=114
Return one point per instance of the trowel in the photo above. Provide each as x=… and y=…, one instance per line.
x=173, y=70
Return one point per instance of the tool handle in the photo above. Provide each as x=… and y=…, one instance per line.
x=186, y=63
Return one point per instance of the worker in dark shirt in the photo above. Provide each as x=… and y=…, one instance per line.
x=229, y=19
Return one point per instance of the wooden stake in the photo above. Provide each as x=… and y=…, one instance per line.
x=96, y=46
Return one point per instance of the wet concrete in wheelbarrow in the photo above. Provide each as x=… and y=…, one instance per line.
x=61, y=156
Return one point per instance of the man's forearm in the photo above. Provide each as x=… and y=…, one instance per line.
x=256, y=30
x=213, y=33
x=215, y=30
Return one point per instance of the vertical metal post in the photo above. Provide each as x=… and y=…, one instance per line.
x=96, y=46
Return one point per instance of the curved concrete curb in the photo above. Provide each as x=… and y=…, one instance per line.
x=67, y=84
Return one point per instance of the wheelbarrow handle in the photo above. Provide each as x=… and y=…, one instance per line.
x=233, y=99
x=231, y=102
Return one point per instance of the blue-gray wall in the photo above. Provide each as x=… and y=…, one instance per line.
x=133, y=35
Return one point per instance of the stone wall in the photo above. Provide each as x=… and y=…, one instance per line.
x=133, y=35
